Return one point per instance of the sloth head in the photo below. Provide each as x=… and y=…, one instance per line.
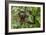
x=22, y=16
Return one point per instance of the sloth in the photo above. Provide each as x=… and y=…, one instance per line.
x=22, y=16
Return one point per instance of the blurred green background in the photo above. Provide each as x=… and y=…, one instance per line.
x=31, y=21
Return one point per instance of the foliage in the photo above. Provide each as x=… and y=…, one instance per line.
x=30, y=20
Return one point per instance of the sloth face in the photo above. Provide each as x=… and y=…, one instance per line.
x=22, y=16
